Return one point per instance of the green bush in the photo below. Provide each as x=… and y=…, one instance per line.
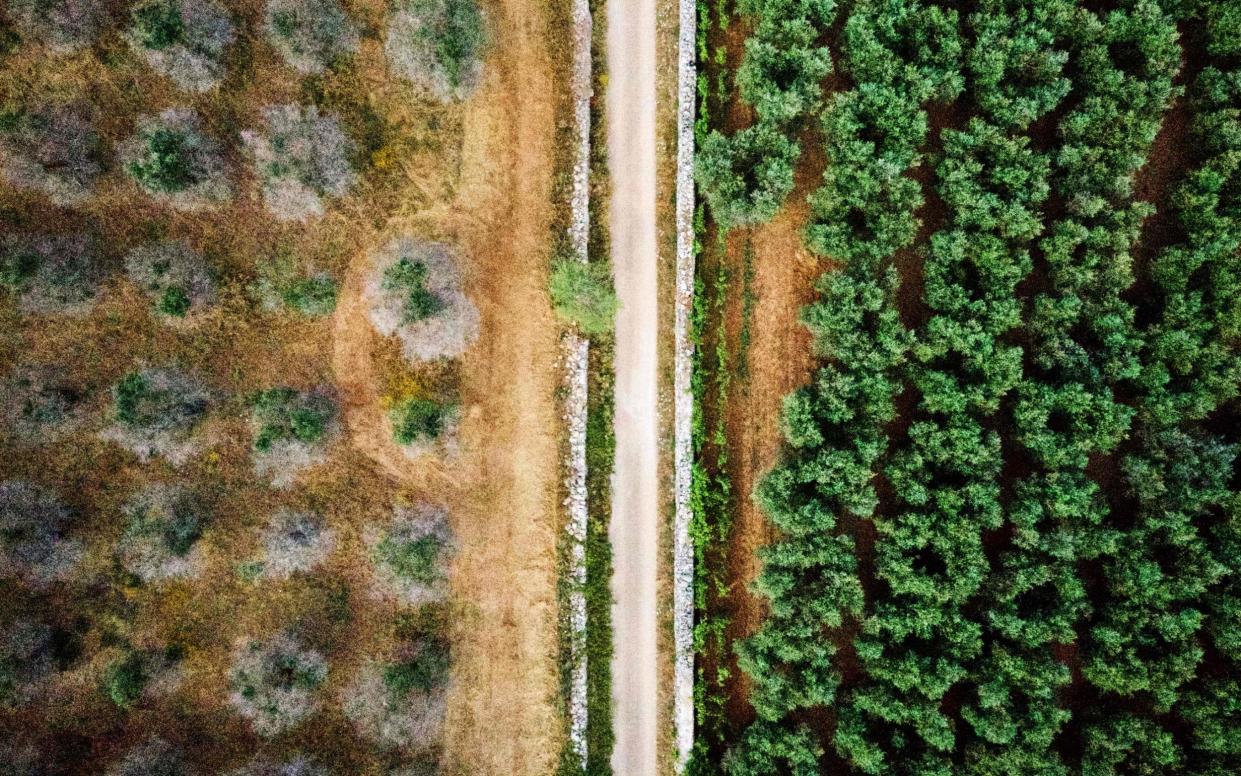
x=425, y=670
x=407, y=277
x=746, y=178
x=417, y=420
x=170, y=158
x=285, y=414
x=184, y=40
x=310, y=34
x=159, y=399
x=281, y=284
x=583, y=296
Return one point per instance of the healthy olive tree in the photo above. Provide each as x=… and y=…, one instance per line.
x=411, y=554
x=163, y=524
x=156, y=412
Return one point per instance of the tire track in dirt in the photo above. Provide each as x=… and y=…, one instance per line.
x=504, y=713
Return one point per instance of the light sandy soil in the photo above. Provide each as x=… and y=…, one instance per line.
x=503, y=715
x=635, y=500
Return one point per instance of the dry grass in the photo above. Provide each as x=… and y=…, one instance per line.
x=477, y=173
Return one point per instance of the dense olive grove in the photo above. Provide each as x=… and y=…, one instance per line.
x=1052, y=586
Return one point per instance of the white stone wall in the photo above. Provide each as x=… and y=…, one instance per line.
x=683, y=548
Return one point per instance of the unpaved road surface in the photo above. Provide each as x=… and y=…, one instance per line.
x=635, y=495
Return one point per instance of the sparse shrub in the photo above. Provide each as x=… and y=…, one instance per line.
x=50, y=274
x=412, y=553
x=437, y=45
x=173, y=161
x=157, y=412
x=40, y=403
x=154, y=758
x=173, y=275
x=424, y=426
x=33, y=526
x=61, y=25
x=182, y=39
x=416, y=295
x=583, y=296
x=281, y=284
x=137, y=673
x=294, y=542
x=310, y=34
x=26, y=660
x=400, y=704
x=274, y=682
x=163, y=524
x=53, y=149
x=301, y=158
x=290, y=428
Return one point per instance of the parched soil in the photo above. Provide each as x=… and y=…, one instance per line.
x=479, y=175
x=503, y=715
x=780, y=359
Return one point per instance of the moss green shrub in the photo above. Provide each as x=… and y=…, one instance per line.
x=310, y=34
x=301, y=159
x=137, y=673
x=424, y=426
x=171, y=159
x=174, y=276
x=583, y=296
x=157, y=411
x=282, y=285
x=184, y=40
x=53, y=149
x=400, y=703
x=290, y=430
x=437, y=45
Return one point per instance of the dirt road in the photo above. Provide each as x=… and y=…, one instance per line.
x=635, y=500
